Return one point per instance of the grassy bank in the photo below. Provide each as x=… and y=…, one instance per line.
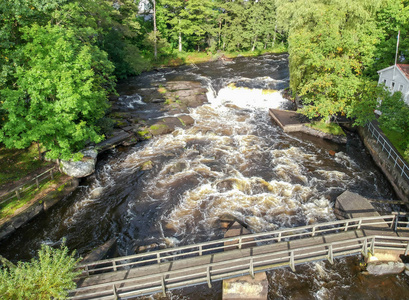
x=15, y=164
x=396, y=139
x=8, y=208
x=330, y=128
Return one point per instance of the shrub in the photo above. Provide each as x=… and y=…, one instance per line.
x=50, y=276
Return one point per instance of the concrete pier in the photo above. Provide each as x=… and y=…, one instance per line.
x=245, y=287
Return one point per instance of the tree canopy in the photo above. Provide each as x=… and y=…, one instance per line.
x=59, y=59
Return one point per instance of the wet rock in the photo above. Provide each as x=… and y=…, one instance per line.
x=186, y=120
x=385, y=268
x=117, y=139
x=100, y=252
x=183, y=85
x=82, y=168
x=159, y=128
x=148, y=165
x=96, y=193
x=151, y=247
x=130, y=141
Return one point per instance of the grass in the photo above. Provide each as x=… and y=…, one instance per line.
x=396, y=139
x=17, y=163
x=8, y=208
x=330, y=128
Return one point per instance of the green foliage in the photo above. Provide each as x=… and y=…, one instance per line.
x=330, y=44
x=15, y=164
x=48, y=277
x=330, y=128
x=59, y=94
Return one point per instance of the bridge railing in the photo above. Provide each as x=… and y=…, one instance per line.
x=210, y=272
x=156, y=257
x=397, y=160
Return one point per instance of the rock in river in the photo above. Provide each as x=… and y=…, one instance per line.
x=82, y=168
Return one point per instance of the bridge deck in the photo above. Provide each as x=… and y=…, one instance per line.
x=126, y=281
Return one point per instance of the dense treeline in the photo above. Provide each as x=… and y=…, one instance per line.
x=60, y=59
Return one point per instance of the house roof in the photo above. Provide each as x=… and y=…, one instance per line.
x=404, y=69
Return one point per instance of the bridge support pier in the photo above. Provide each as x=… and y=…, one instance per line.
x=251, y=287
x=246, y=287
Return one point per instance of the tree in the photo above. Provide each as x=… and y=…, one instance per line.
x=187, y=19
x=331, y=43
x=59, y=94
x=48, y=277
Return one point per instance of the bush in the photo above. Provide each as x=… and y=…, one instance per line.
x=50, y=276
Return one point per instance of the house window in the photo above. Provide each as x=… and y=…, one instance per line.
x=401, y=88
x=393, y=85
x=384, y=81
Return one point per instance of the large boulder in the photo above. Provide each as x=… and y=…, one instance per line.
x=82, y=168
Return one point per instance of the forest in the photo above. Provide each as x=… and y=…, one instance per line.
x=60, y=59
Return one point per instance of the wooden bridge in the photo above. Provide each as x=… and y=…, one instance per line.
x=205, y=263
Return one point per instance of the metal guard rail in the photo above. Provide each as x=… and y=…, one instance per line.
x=392, y=154
x=211, y=272
x=200, y=249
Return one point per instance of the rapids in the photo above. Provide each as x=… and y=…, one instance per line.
x=232, y=162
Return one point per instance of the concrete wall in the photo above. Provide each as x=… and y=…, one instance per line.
x=400, y=185
x=10, y=224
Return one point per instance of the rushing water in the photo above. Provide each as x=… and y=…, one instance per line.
x=232, y=162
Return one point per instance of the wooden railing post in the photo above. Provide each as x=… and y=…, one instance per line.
x=200, y=250
x=313, y=231
x=330, y=255
x=373, y=246
x=52, y=174
x=346, y=226
x=239, y=242
x=18, y=194
x=158, y=257
x=251, y=271
x=292, y=263
x=163, y=286
x=365, y=248
x=209, y=281
x=115, y=292
x=407, y=249
x=37, y=183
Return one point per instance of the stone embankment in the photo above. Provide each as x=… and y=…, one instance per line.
x=38, y=205
x=382, y=159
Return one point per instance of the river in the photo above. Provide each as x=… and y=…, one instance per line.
x=232, y=162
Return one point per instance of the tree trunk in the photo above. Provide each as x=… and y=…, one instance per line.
x=254, y=44
x=266, y=42
x=220, y=33
x=275, y=35
x=180, y=41
x=40, y=157
x=155, y=31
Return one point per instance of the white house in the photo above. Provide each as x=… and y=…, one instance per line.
x=396, y=78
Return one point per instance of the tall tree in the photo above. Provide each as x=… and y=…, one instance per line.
x=331, y=43
x=59, y=94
